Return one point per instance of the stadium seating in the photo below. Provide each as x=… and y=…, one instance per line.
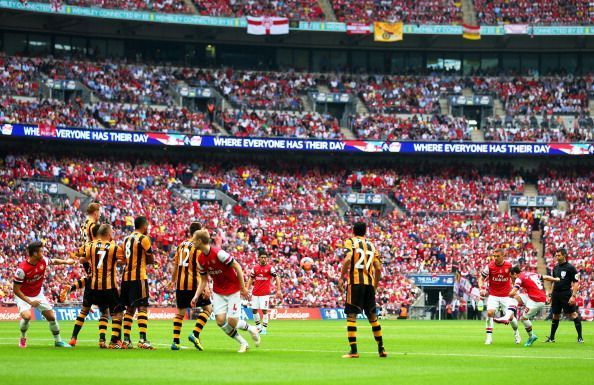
x=409, y=11
x=401, y=107
x=163, y=6
x=308, y=10
x=291, y=212
x=314, y=125
x=415, y=127
x=541, y=12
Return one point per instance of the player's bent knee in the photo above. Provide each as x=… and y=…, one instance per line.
x=221, y=319
x=26, y=315
x=233, y=321
x=49, y=315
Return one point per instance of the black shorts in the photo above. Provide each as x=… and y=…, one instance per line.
x=87, y=301
x=560, y=302
x=106, y=300
x=184, y=297
x=135, y=293
x=360, y=298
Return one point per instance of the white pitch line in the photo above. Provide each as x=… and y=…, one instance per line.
x=340, y=352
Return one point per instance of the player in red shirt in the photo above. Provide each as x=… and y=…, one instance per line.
x=261, y=277
x=228, y=288
x=28, y=289
x=498, y=274
x=533, y=297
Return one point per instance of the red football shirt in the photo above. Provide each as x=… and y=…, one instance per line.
x=262, y=277
x=217, y=263
x=499, y=278
x=30, y=276
x=531, y=283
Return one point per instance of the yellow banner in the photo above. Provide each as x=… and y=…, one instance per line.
x=387, y=32
x=471, y=36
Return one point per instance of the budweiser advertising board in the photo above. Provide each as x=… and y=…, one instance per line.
x=300, y=313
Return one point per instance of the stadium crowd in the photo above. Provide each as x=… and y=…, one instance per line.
x=163, y=6
x=532, y=129
x=540, y=12
x=291, y=212
x=408, y=11
x=140, y=97
x=412, y=127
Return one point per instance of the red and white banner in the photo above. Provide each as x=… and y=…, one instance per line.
x=300, y=313
x=587, y=314
x=516, y=29
x=9, y=314
x=358, y=28
x=264, y=25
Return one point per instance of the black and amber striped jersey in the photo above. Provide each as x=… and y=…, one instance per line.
x=362, y=254
x=137, y=247
x=103, y=257
x=186, y=267
x=87, y=228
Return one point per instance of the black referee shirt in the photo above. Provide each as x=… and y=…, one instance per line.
x=567, y=273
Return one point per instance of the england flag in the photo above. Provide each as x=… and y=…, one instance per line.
x=264, y=25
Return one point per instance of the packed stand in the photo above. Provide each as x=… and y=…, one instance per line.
x=573, y=229
x=115, y=82
x=550, y=95
x=47, y=112
x=552, y=129
x=53, y=113
x=408, y=11
x=162, y=6
x=307, y=10
x=18, y=76
x=416, y=127
x=540, y=12
x=264, y=90
x=434, y=191
x=406, y=94
x=278, y=123
x=291, y=212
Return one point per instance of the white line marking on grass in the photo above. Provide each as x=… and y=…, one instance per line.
x=51, y=339
x=342, y=352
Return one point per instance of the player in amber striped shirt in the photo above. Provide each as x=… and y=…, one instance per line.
x=88, y=234
x=362, y=268
x=103, y=254
x=135, y=291
x=186, y=278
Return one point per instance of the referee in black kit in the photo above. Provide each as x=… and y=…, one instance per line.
x=564, y=295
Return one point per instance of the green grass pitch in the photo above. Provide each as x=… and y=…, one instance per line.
x=305, y=352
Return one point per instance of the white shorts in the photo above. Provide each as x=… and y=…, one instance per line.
x=500, y=303
x=260, y=302
x=532, y=308
x=44, y=304
x=227, y=304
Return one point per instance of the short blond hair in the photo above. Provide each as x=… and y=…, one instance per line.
x=93, y=208
x=201, y=235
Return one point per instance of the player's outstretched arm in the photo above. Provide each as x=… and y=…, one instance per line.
x=59, y=261
x=550, y=279
x=249, y=284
